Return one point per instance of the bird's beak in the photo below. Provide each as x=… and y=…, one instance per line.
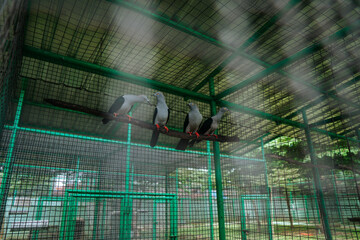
x=148, y=102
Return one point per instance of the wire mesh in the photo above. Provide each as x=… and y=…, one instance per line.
x=288, y=69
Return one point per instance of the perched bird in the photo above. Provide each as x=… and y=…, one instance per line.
x=160, y=118
x=210, y=125
x=191, y=125
x=123, y=105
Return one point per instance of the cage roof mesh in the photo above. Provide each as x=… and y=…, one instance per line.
x=275, y=57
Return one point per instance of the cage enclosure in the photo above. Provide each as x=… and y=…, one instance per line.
x=284, y=163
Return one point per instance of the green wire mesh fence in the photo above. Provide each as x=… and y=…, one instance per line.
x=287, y=70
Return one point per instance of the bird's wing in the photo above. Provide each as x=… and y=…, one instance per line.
x=205, y=126
x=117, y=104
x=154, y=116
x=186, y=123
x=168, y=116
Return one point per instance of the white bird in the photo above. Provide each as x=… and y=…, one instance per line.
x=160, y=118
x=210, y=125
x=123, y=105
x=191, y=125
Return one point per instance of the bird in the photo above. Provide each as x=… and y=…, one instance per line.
x=123, y=105
x=210, y=125
x=160, y=117
x=191, y=125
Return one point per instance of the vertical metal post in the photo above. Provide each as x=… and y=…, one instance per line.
x=316, y=200
x=166, y=206
x=77, y=172
x=208, y=148
x=268, y=203
x=175, y=233
x=9, y=163
x=103, y=220
x=154, y=219
x=316, y=174
x=130, y=207
x=336, y=196
x=38, y=216
x=218, y=177
x=243, y=219
x=125, y=203
x=307, y=209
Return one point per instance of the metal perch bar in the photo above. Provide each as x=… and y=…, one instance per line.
x=172, y=133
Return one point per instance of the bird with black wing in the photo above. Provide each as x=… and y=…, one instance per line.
x=191, y=125
x=160, y=117
x=124, y=104
x=210, y=125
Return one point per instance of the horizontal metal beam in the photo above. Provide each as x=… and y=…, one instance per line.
x=248, y=42
x=111, y=73
x=277, y=119
x=281, y=64
x=40, y=54
x=178, y=26
x=323, y=98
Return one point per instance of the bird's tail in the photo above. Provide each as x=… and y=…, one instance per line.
x=105, y=120
x=183, y=143
x=192, y=142
x=154, y=138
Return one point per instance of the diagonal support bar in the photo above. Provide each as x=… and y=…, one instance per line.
x=173, y=24
x=281, y=64
x=248, y=42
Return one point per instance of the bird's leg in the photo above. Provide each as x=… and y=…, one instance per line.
x=129, y=117
x=197, y=135
x=166, y=128
x=116, y=114
x=157, y=126
x=190, y=133
x=215, y=135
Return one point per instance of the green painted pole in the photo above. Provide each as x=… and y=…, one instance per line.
x=317, y=205
x=130, y=207
x=317, y=180
x=125, y=203
x=166, y=207
x=243, y=219
x=336, y=196
x=102, y=233
x=307, y=208
x=268, y=200
x=218, y=177
x=63, y=218
x=38, y=216
x=77, y=172
x=9, y=162
x=176, y=206
x=208, y=148
x=154, y=220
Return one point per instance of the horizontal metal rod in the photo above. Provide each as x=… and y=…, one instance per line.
x=281, y=64
x=96, y=192
x=268, y=116
x=40, y=131
x=40, y=54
